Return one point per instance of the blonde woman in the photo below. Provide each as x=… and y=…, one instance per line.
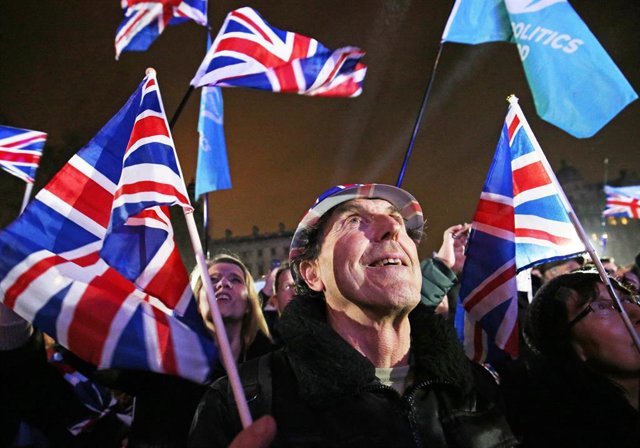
x=239, y=306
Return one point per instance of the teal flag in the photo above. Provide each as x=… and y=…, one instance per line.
x=575, y=84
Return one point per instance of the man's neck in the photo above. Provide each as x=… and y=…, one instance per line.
x=384, y=342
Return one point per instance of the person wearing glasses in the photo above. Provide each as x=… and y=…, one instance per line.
x=584, y=374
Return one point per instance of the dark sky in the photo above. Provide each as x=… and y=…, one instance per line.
x=58, y=75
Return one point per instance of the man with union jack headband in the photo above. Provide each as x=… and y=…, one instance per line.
x=364, y=362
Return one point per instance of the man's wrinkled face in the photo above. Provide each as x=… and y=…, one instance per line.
x=367, y=259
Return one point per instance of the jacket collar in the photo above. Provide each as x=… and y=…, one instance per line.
x=328, y=368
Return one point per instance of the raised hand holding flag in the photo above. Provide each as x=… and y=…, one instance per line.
x=248, y=52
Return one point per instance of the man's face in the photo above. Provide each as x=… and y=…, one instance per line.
x=367, y=259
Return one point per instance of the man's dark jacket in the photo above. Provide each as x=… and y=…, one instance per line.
x=323, y=393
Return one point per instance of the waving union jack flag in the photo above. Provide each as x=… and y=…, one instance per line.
x=248, y=52
x=92, y=260
x=521, y=221
x=144, y=20
x=623, y=201
x=20, y=151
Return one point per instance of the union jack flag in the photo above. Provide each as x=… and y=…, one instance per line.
x=20, y=151
x=92, y=260
x=522, y=220
x=622, y=201
x=145, y=20
x=248, y=52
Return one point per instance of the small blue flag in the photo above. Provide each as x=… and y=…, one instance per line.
x=213, y=168
x=575, y=84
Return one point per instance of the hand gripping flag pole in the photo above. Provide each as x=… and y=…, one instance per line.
x=513, y=100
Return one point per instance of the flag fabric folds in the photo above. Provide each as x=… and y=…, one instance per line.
x=145, y=20
x=92, y=260
x=20, y=151
x=622, y=201
x=248, y=52
x=521, y=220
x=576, y=86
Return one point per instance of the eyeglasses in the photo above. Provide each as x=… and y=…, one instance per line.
x=605, y=308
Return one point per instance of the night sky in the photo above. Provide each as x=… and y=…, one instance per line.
x=58, y=74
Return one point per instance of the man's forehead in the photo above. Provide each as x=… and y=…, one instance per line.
x=365, y=204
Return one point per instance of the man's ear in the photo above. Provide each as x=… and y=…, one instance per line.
x=309, y=271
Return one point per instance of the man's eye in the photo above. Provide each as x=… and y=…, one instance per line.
x=354, y=219
x=602, y=306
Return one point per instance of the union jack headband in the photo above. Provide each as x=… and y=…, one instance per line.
x=403, y=201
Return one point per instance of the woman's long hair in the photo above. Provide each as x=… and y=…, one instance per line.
x=254, y=320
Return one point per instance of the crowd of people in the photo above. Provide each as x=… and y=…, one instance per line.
x=350, y=344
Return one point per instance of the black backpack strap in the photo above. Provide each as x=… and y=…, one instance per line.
x=255, y=376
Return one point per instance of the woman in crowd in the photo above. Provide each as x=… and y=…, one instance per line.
x=584, y=381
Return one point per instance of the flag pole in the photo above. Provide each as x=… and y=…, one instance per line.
x=221, y=335
x=224, y=348
x=205, y=223
x=416, y=126
x=183, y=103
x=513, y=100
x=27, y=194
x=604, y=237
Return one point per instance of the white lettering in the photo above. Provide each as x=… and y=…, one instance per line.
x=572, y=46
x=556, y=45
x=524, y=51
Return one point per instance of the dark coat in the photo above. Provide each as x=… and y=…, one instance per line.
x=325, y=394
x=569, y=406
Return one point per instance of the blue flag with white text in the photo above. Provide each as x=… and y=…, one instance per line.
x=576, y=86
x=213, y=168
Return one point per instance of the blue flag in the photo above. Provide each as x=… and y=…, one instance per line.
x=575, y=84
x=213, y=168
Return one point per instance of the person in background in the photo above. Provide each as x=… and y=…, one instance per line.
x=363, y=362
x=584, y=375
x=284, y=287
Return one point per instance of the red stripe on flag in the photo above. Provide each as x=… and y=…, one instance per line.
x=256, y=27
x=32, y=273
x=82, y=193
x=513, y=126
x=495, y=214
x=147, y=127
x=253, y=49
x=147, y=186
x=165, y=342
x=24, y=142
x=21, y=157
x=287, y=78
x=95, y=312
x=300, y=47
x=542, y=235
x=487, y=289
x=125, y=33
x=87, y=260
x=171, y=280
x=530, y=176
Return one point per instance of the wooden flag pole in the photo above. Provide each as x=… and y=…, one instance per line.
x=27, y=196
x=221, y=335
x=513, y=100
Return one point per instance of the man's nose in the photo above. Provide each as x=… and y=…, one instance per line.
x=386, y=227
